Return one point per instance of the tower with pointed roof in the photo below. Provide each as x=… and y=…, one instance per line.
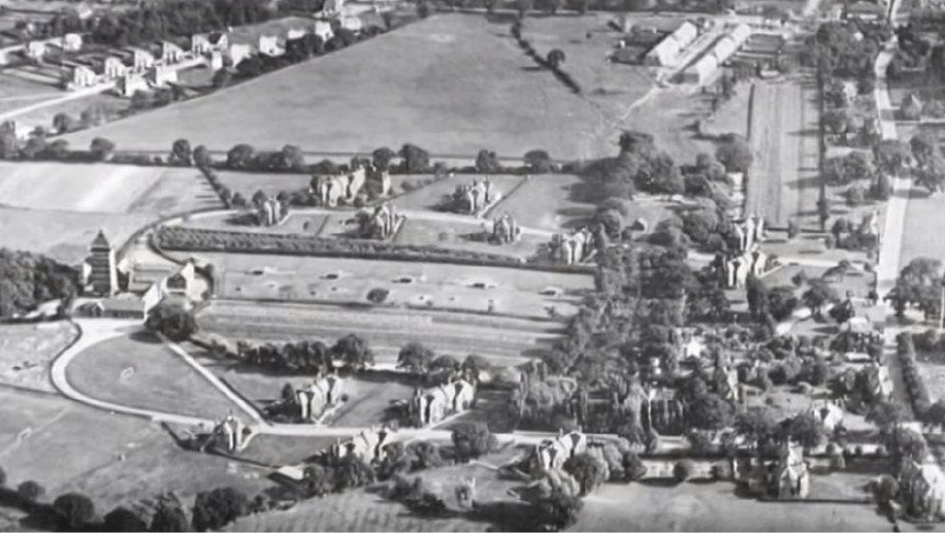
x=100, y=276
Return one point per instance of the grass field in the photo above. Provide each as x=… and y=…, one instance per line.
x=923, y=212
x=369, y=395
x=451, y=83
x=26, y=351
x=386, y=330
x=103, y=188
x=783, y=180
x=64, y=235
x=462, y=236
x=433, y=195
x=159, y=379
x=340, y=280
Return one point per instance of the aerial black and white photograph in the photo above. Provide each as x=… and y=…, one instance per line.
x=472, y=265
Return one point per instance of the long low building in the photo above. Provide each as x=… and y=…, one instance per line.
x=708, y=63
x=666, y=52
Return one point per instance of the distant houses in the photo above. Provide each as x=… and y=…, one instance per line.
x=704, y=68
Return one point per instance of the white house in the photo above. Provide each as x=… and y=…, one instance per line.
x=666, y=52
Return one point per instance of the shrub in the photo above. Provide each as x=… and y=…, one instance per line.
x=377, y=295
x=30, y=490
x=123, y=519
x=218, y=507
x=589, y=471
x=683, y=470
x=471, y=440
x=76, y=510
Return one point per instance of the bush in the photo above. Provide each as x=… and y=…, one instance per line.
x=76, y=510
x=589, y=471
x=30, y=490
x=124, y=519
x=683, y=470
x=472, y=440
x=377, y=295
x=633, y=467
x=218, y=507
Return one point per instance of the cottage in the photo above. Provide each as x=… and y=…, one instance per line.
x=268, y=45
x=237, y=53
x=790, y=478
x=323, y=30
x=230, y=436
x=319, y=396
x=162, y=75
x=72, y=42
x=141, y=59
x=922, y=489
x=36, y=50
x=131, y=83
x=367, y=445
x=352, y=24
x=113, y=68
x=82, y=76
x=431, y=406
x=828, y=413
x=171, y=53
x=200, y=44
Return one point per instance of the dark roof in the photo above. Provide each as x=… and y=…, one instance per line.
x=100, y=242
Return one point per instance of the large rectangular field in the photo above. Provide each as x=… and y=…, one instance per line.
x=920, y=238
x=451, y=83
x=783, y=180
x=503, y=340
x=513, y=291
x=104, y=188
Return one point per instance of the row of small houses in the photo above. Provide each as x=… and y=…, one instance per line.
x=136, y=68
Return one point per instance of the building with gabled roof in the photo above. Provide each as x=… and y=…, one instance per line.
x=922, y=489
x=666, y=52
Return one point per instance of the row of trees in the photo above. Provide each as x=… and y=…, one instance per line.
x=28, y=279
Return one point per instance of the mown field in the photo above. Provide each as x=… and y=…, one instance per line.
x=783, y=180
x=27, y=349
x=294, y=278
x=451, y=83
x=139, y=371
x=503, y=340
x=919, y=238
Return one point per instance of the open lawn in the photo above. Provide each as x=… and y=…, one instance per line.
x=465, y=236
x=919, y=238
x=103, y=188
x=715, y=507
x=561, y=198
x=451, y=83
x=505, y=341
x=66, y=446
x=435, y=193
x=369, y=396
x=514, y=291
x=139, y=371
x=783, y=179
x=27, y=349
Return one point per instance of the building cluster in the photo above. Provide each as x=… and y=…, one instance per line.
x=746, y=258
x=705, y=67
x=270, y=211
x=380, y=224
x=230, y=436
x=505, y=229
x=551, y=454
x=368, y=446
x=100, y=280
x=316, y=398
x=922, y=490
x=431, y=406
x=334, y=189
x=575, y=248
x=37, y=50
x=475, y=198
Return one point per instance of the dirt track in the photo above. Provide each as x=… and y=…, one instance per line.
x=782, y=182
